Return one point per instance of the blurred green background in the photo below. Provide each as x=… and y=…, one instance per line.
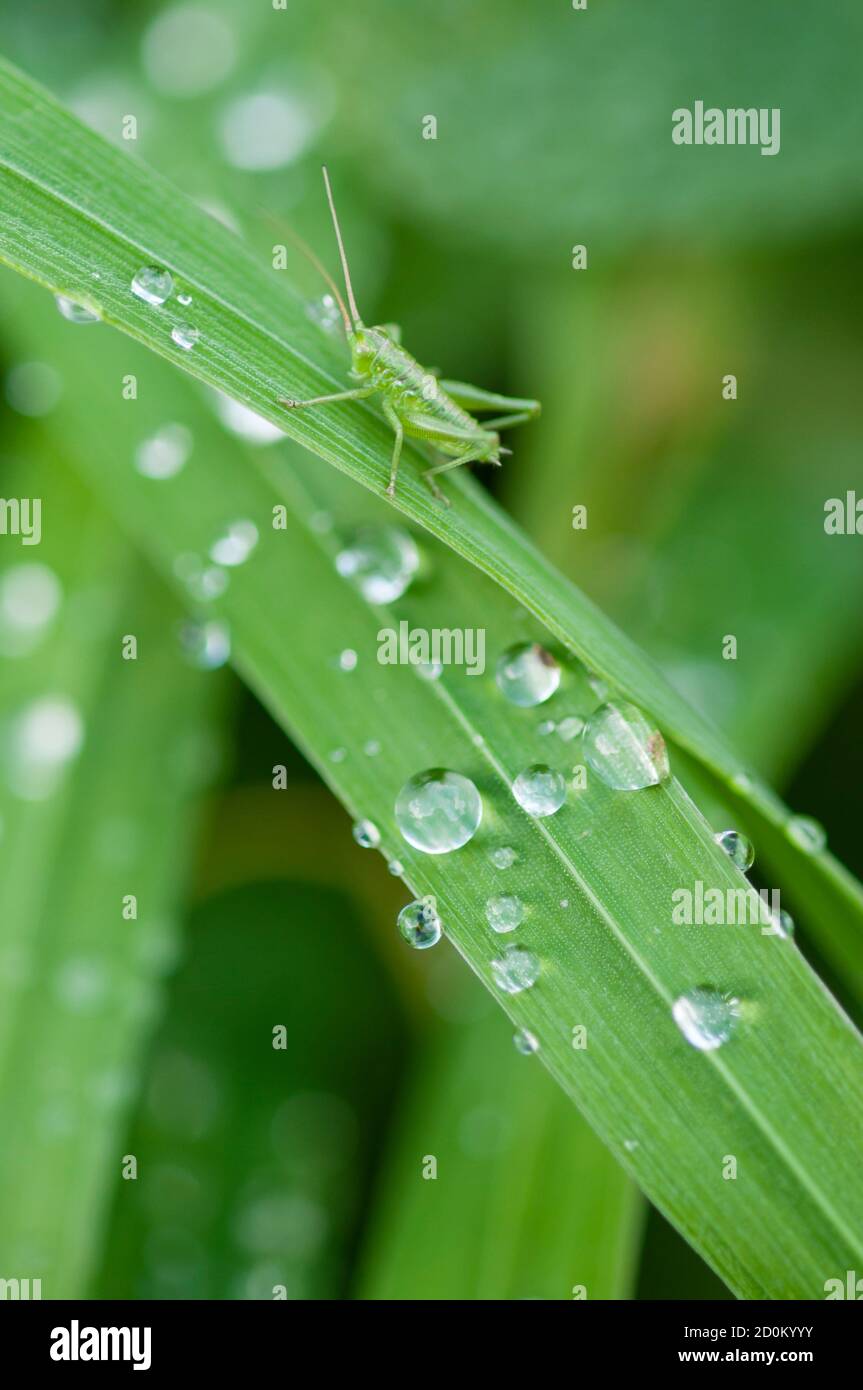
x=298, y=1172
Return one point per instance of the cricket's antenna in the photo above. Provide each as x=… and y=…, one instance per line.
x=347, y=274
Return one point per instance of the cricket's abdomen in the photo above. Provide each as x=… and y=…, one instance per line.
x=421, y=404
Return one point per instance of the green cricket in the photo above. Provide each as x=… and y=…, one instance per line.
x=415, y=402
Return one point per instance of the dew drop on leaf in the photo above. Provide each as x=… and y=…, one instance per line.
x=527, y=674
x=515, y=970
x=504, y=913
x=366, y=834
x=380, y=561
x=625, y=751
x=807, y=834
x=185, y=336
x=525, y=1042
x=438, y=811
x=705, y=1017
x=75, y=313
x=420, y=924
x=152, y=285
x=539, y=790
x=737, y=847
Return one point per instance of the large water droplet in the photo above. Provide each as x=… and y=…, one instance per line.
x=525, y=1042
x=266, y=130
x=164, y=453
x=152, y=284
x=516, y=969
x=705, y=1017
x=527, y=674
x=438, y=811
x=235, y=545
x=45, y=737
x=245, y=423
x=185, y=336
x=75, y=313
x=366, y=834
x=420, y=924
x=30, y=596
x=570, y=728
x=504, y=913
x=503, y=858
x=807, y=833
x=624, y=749
x=539, y=790
x=380, y=561
x=737, y=847
x=207, y=645
x=325, y=313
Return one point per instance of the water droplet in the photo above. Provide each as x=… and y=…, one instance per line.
x=30, y=597
x=781, y=924
x=338, y=755
x=185, y=336
x=152, y=285
x=396, y=868
x=420, y=924
x=432, y=671
x=516, y=969
x=539, y=790
x=204, y=582
x=245, y=423
x=737, y=847
x=206, y=644
x=325, y=313
x=570, y=728
x=438, y=811
x=187, y=49
x=705, y=1017
x=366, y=834
x=807, y=833
x=504, y=913
x=266, y=130
x=45, y=737
x=184, y=299
x=75, y=313
x=630, y=1145
x=564, y=902
x=546, y=727
x=625, y=751
x=380, y=561
x=164, y=453
x=527, y=674
x=235, y=545
x=525, y=1042
x=371, y=748
x=348, y=660
x=597, y=685
x=33, y=388
x=503, y=858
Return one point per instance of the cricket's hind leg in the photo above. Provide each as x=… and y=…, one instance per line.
x=474, y=399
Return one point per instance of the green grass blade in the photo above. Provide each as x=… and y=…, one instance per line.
x=76, y=208
x=79, y=983
x=782, y=1096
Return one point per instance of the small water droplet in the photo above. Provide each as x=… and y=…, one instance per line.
x=503, y=858
x=546, y=727
x=206, y=644
x=164, y=453
x=75, y=313
x=630, y=1145
x=438, y=811
x=525, y=1042
x=504, y=913
x=348, y=660
x=598, y=685
x=185, y=336
x=807, y=833
x=570, y=728
x=705, y=1017
x=539, y=790
x=527, y=674
x=515, y=970
x=366, y=834
x=45, y=737
x=420, y=924
x=432, y=671
x=152, y=284
x=396, y=868
x=184, y=299
x=781, y=924
x=235, y=545
x=325, y=313
x=380, y=561
x=338, y=755
x=737, y=847
x=623, y=748
x=371, y=748
x=564, y=902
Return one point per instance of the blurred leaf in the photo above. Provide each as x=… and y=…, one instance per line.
x=609, y=961
x=73, y=202
x=253, y=1159
x=79, y=981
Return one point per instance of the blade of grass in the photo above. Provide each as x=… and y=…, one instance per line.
x=611, y=961
x=79, y=982
x=81, y=218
